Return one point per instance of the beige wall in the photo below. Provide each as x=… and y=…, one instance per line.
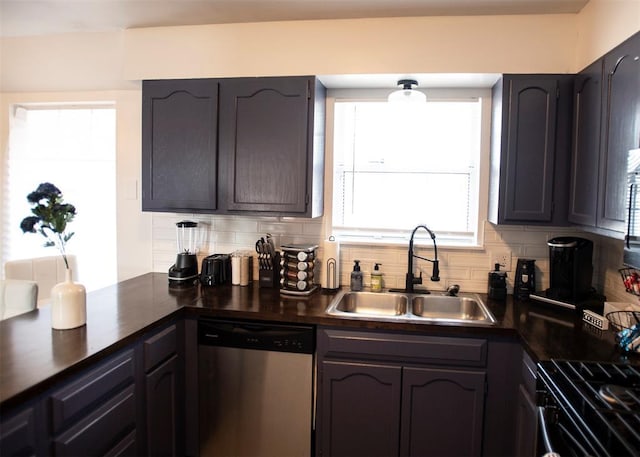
x=481, y=44
x=64, y=67
x=603, y=24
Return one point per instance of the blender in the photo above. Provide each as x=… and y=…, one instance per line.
x=185, y=271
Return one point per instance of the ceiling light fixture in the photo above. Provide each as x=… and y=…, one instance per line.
x=408, y=93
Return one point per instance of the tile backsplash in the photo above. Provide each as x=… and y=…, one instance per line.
x=464, y=266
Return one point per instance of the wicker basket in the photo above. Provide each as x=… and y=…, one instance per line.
x=623, y=319
x=631, y=280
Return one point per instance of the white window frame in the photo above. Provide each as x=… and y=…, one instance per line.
x=37, y=241
x=394, y=238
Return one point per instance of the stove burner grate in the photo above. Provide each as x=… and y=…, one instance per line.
x=618, y=395
x=603, y=397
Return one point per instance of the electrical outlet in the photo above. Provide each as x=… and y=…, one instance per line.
x=503, y=258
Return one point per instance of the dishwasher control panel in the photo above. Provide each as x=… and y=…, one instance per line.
x=260, y=336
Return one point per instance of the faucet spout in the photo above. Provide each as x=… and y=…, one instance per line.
x=411, y=280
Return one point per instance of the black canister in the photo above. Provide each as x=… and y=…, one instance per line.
x=497, y=283
x=524, y=283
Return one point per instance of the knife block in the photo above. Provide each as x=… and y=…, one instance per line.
x=270, y=277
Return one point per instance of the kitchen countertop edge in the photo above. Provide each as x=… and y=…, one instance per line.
x=29, y=345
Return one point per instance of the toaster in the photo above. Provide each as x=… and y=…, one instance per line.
x=216, y=270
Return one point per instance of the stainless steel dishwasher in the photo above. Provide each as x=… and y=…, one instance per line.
x=256, y=395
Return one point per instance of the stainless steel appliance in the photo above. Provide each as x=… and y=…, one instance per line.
x=589, y=408
x=255, y=389
x=632, y=236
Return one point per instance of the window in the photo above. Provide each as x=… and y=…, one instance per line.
x=73, y=147
x=399, y=165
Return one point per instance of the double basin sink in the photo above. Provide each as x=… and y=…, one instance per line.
x=465, y=308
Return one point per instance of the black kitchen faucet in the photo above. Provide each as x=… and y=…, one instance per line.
x=435, y=275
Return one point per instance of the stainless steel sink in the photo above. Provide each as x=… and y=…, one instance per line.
x=371, y=304
x=462, y=308
x=466, y=308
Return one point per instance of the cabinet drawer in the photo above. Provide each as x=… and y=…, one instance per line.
x=107, y=430
x=403, y=347
x=160, y=347
x=128, y=446
x=18, y=434
x=84, y=395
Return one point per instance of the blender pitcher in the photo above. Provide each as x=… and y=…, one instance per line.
x=185, y=270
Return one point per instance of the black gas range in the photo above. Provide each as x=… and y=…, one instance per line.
x=589, y=408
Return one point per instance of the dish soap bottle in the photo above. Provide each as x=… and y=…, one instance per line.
x=356, y=277
x=376, y=279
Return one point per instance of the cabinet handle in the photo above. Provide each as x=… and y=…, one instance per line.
x=629, y=215
x=618, y=62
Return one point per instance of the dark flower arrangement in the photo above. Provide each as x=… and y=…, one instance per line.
x=50, y=217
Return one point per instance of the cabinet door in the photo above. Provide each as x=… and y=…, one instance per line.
x=586, y=146
x=360, y=409
x=163, y=409
x=19, y=434
x=264, y=141
x=527, y=432
x=530, y=153
x=442, y=412
x=620, y=130
x=179, y=145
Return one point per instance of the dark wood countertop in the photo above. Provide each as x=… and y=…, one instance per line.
x=33, y=356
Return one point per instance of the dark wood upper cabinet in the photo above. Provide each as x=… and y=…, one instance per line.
x=179, y=145
x=530, y=149
x=267, y=144
x=585, y=157
x=234, y=146
x=620, y=130
x=606, y=126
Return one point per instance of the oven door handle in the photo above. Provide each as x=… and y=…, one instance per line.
x=544, y=430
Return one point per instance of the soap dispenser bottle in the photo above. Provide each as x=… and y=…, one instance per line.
x=356, y=277
x=497, y=283
x=376, y=279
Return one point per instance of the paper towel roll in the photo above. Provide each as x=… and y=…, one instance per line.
x=330, y=271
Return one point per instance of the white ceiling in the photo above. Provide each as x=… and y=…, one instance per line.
x=38, y=17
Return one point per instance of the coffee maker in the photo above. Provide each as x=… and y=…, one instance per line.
x=185, y=271
x=570, y=268
x=570, y=271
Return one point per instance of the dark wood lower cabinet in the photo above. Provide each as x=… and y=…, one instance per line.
x=20, y=433
x=527, y=415
x=130, y=403
x=400, y=395
x=361, y=404
x=109, y=430
x=163, y=416
x=527, y=421
x=442, y=412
